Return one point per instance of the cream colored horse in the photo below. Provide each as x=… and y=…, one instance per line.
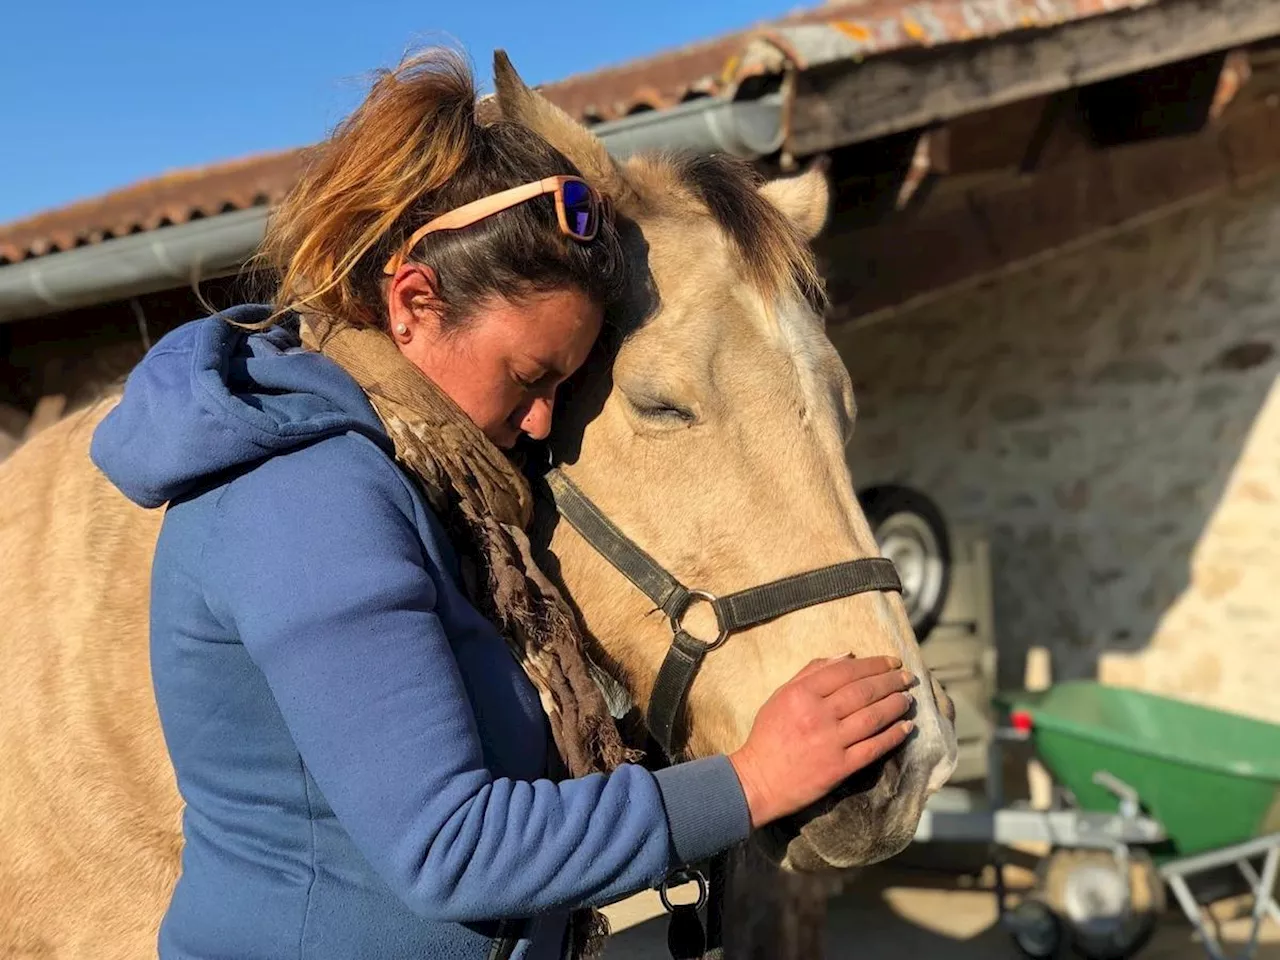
x=712, y=431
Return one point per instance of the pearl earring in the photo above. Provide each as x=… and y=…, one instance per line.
x=401, y=329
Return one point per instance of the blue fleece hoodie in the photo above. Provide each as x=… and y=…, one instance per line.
x=363, y=762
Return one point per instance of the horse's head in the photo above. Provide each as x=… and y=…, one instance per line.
x=711, y=428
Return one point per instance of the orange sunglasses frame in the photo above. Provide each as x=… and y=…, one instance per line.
x=478, y=210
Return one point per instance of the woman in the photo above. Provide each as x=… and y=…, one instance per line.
x=366, y=768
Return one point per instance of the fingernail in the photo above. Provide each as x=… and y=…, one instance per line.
x=910, y=697
x=908, y=726
x=843, y=656
x=894, y=663
x=907, y=676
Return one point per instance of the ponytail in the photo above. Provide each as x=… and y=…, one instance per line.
x=409, y=137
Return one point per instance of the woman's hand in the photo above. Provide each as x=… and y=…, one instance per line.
x=832, y=719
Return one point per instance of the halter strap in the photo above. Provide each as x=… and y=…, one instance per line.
x=599, y=531
x=734, y=612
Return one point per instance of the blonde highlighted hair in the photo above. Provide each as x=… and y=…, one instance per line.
x=413, y=149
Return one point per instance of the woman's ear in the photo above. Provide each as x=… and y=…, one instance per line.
x=413, y=303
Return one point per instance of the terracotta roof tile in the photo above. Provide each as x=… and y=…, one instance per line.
x=866, y=28
x=171, y=198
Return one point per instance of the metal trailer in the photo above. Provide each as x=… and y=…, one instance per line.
x=1155, y=793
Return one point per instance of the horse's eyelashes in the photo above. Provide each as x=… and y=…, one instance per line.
x=677, y=413
x=660, y=410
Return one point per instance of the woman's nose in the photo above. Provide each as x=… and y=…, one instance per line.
x=537, y=421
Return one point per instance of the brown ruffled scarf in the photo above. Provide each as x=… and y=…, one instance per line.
x=486, y=504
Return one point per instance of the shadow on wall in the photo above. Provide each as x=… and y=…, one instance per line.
x=1112, y=417
x=53, y=365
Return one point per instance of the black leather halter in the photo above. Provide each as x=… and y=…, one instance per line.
x=734, y=613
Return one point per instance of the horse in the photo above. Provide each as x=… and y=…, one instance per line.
x=711, y=430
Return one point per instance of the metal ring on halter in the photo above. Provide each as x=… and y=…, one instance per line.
x=677, y=618
x=679, y=877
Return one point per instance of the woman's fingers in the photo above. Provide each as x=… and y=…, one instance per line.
x=866, y=752
x=800, y=747
x=861, y=693
x=831, y=676
x=869, y=721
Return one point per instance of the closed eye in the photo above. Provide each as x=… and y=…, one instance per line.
x=662, y=411
x=539, y=382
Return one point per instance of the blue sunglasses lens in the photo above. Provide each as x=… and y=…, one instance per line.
x=579, y=209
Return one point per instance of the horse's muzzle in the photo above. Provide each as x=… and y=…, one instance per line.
x=870, y=817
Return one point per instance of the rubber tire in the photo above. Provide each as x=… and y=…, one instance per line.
x=879, y=504
x=1032, y=908
x=1144, y=879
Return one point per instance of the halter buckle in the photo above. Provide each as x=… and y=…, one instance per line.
x=678, y=878
x=677, y=617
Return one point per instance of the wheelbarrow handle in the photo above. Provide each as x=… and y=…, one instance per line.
x=1128, y=797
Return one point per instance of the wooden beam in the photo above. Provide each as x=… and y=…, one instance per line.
x=1235, y=73
x=851, y=102
x=931, y=157
x=1056, y=134
x=868, y=177
x=1168, y=100
x=964, y=234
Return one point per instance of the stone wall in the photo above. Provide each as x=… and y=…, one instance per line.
x=1111, y=418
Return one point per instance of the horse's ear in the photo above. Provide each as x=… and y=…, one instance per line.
x=805, y=199
x=530, y=109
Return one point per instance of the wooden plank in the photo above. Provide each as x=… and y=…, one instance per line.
x=1039, y=135
x=1151, y=175
x=1171, y=99
x=1251, y=149
x=963, y=235
x=1100, y=190
x=871, y=267
x=849, y=103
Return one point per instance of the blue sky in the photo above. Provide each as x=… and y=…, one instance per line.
x=100, y=93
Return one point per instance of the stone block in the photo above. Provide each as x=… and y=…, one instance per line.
x=1015, y=407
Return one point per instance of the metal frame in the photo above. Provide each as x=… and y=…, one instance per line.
x=1263, y=888
x=1062, y=828
x=1001, y=826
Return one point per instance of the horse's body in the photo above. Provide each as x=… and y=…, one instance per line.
x=713, y=433
x=90, y=817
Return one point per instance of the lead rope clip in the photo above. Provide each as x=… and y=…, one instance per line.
x=686, y=937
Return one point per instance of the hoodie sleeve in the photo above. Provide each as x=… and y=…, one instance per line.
x=317, y=564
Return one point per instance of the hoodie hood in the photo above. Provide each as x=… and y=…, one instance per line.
x=211, y=397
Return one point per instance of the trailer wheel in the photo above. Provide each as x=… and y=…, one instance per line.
x=1035, y=929
x=911, y=532
x=1103, y=918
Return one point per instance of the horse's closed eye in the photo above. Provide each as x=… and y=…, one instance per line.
x=657, y=410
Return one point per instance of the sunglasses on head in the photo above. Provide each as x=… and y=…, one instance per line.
x=579, y=207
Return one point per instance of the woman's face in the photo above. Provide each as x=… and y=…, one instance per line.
x=504, y=364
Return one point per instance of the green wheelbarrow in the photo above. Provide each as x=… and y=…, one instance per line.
x=1151, y=793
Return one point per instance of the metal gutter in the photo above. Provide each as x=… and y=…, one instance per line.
x=744, y=128
x=181, y=255
x=128, y=266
